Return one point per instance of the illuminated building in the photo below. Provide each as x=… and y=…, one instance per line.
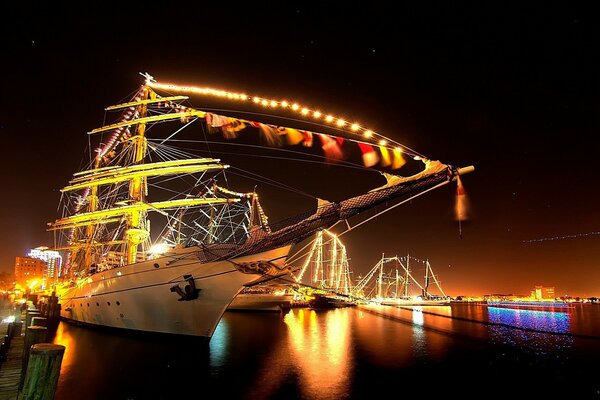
x=52, y=258
x=543, y=292
x=27, y=268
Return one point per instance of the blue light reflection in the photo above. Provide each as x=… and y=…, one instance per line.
x=545, y=321
x=530, y=329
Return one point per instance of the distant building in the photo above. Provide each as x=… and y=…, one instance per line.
x=27, y=268
x=52, y=258
x=543, y=292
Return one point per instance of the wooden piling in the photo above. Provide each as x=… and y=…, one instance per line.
x=43, y=371
x=39, y=321
x=33, y=335
x=15, y=329
x=29, y=316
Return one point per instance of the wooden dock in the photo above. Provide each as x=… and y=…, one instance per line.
x=29, y=366
x=10, y=368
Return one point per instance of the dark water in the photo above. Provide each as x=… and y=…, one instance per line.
x=347, y=353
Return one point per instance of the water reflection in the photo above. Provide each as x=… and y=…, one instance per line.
x=417, y=316
x=63, y=337
x=334, y=354
x=319, y=347
x=218, y=344
x=437, y=318
x=99, y=365
x=546, y=321
x=532, y=324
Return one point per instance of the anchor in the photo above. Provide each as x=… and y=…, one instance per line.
x=189, y=292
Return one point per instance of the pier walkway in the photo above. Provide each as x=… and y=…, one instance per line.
x=10, y=368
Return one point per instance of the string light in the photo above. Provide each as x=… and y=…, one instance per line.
x=305, y=111
x=577, y=235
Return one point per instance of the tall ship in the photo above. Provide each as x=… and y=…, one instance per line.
x=155, y=239
x=393, y=287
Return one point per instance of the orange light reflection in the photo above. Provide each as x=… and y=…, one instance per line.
x=320, y=350
x=64, y=338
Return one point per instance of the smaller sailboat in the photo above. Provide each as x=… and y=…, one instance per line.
x=393, y=287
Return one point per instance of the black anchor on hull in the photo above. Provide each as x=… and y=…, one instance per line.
x=189, y=292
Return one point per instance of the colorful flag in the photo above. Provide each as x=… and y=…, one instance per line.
x=461, y=206
x=369, y=155
x=331, y=148
x=307, y=138
x=385, y=156
x=460, y=210
x=398, y=160
x=230, y=130
x=293, y=136
x=270, y=135
x=216, y=121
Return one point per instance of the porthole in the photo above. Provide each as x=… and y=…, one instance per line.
x=108, y=302
x=156, y=265
x=98, y=304
x=88, y=304
x=80, y=305
x=118, y=303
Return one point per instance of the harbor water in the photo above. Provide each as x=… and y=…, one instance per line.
x=465, y=350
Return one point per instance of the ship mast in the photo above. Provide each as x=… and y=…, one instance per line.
x=91, y=228
x=137, y=231
x=407, y=271
x=88, y=221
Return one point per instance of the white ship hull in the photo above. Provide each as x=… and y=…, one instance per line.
x=138, y=297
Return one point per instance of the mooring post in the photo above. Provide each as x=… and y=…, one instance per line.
x=30, y=315
x=33, y=335
x=43, y=370
x=16, y=328
x=39, y=321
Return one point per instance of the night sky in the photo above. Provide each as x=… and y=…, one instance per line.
x=512, y=90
